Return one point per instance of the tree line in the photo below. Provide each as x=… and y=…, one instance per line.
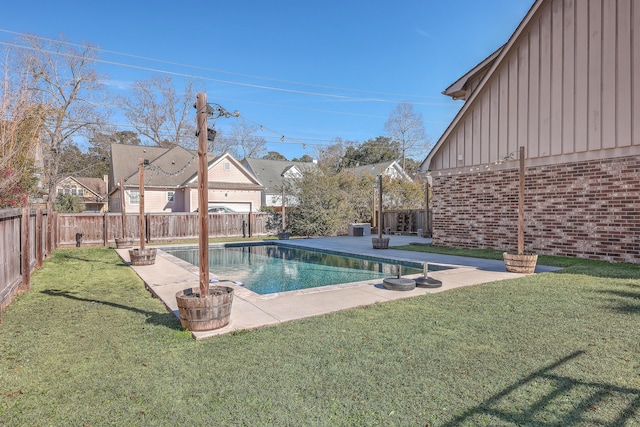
x=53, y=98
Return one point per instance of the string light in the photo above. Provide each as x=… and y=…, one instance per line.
x=155, y=168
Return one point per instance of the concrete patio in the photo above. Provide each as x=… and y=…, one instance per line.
x=168, y=275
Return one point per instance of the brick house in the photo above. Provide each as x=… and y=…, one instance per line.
x=566, y=86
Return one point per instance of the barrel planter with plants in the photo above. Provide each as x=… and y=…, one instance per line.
x=198, y=313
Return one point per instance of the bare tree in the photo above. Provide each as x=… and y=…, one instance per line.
x=406, y=127
x=161, y=114
x=61, y=77
x=330, y=157
x=20, y=127
x=248, y=144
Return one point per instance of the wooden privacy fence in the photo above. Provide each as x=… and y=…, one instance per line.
x=103, y=229
x=25, y=240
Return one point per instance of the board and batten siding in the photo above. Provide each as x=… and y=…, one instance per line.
x=568, y=86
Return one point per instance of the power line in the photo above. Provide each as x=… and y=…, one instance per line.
x=283, y=139
x=229, y=82
x=146, y=58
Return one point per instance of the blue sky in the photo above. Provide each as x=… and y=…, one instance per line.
x=308, y=71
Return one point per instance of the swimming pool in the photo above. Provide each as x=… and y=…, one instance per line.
x=267, y=268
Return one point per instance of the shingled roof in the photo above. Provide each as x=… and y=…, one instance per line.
x=390, y=167
x=269, y=172
x=168, y=167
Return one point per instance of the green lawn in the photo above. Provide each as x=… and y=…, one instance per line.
x=88, y=346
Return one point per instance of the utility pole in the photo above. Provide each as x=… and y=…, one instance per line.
x=203, y=193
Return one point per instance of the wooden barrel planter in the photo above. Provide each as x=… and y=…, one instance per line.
x=284, y=235
x=124, y=242
x=142, y=257
x=515, y=263
x=380, y=243
x=205, y=314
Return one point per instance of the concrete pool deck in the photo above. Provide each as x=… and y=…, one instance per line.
x=168, y=275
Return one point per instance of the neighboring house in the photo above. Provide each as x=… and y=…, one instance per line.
x=271, y=174
x=389, y=168
x=92, y=192
x=566, y=86
x=171, y=180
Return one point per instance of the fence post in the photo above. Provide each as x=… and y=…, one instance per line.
x=147, y=228
x=24, y=250
x=49, y=231
x=105, y=230
x=56, y=230
x=39, y=238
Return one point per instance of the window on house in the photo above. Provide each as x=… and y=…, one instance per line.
x=71, y=189
x=227, y=166
x=134, y=197
x=170, y=196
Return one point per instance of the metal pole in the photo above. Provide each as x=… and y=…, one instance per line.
x=203, y=193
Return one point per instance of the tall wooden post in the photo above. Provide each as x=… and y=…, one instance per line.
x=380, y=207
x=521, y=205
x=122, y=208
x=284, y=224
x=427, y=227
x=250, y=219
x=374, y=217
x=203, y=193
x=141, y=216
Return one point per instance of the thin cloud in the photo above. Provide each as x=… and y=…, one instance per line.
x=423, y=33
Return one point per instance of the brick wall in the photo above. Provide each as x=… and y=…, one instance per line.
x=586, y=209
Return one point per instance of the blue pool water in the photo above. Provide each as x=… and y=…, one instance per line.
x=271, y=268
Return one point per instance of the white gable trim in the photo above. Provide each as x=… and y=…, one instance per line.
x=424, y=166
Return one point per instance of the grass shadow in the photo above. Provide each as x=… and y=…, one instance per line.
x=625, y=302
x=546, y=406
x=159, y=319
x=603, y=270
x=69, y=256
